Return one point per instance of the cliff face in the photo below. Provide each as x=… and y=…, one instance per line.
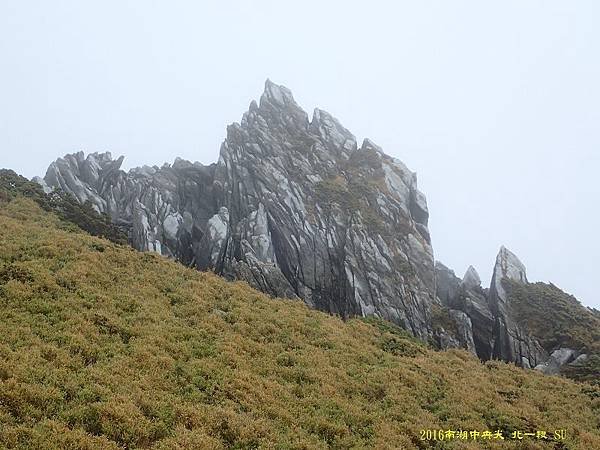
x=467, y=296
x=534, y=325
x=297, y=209
x=293, y=206
x=512, y=342
x=495, y=330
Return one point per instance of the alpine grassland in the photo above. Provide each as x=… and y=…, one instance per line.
x=104, y=347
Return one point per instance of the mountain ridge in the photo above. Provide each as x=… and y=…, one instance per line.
x=294, y=207
x=104, y=347
x=292, y=194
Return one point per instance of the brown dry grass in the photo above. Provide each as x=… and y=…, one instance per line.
x=104, y=347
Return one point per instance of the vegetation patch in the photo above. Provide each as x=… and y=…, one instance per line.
x=347, y=196
x=442, y=320
x=63, y=204
x=115, y=349
x=558, y=319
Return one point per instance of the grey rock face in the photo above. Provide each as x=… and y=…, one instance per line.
x=496, y=333
x=293, y=206
x=47, y=189
x=580, y=360
x=468, y=297
x=166, y=209
x=471, y=279
x=557, y=359
x=447, y=285
x=512, y=343
x=465, y=330
x=507, y=267
x=473, y=300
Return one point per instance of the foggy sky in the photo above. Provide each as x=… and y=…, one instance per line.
x=494, y=104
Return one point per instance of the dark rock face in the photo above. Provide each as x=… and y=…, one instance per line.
x=166, y=209
x=293, y=206
x=469, y=297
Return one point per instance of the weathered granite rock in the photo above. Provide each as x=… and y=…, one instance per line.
x=509, y=267
x=447, y=285
x=293, y=206
x=166, y=209
x=473, y=300
x=498, y=329
x=464, y=330
x=511, y=342
x=496, y=333
x=557, y=359
x=471, y=279
x=468, y=297
x=581, y=359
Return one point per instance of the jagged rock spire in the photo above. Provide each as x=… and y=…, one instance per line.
x=292, y=206
x=83, y=176
x=512, y=343
x=277, y=95
x=508, y=266
x=471, y=278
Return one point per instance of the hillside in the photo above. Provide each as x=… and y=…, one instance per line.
x=556, y=318
x=534, y=325
x=63, y=204
x=105, y=347
x=296, y=207
x=559, y=320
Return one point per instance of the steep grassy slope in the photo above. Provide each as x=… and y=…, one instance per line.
x=104, y=347
x=67, y=207
x=558, y=319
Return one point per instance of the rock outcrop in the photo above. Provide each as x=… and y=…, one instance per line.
x=559, y=358
x=496, y=334
x=293, y=206
x=469, y=297
x=517, y=321
x=511, y=342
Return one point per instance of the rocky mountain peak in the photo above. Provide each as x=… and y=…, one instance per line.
x=512, y=342
x=471, y=278
x=277, y=109
x=495, y=329
x=68, y=172
x=278, y=95
x=508, y=266
x=291, y=206
x=330, y=129
x=295, y=208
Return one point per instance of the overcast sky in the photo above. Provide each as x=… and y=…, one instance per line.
x=496, y=105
